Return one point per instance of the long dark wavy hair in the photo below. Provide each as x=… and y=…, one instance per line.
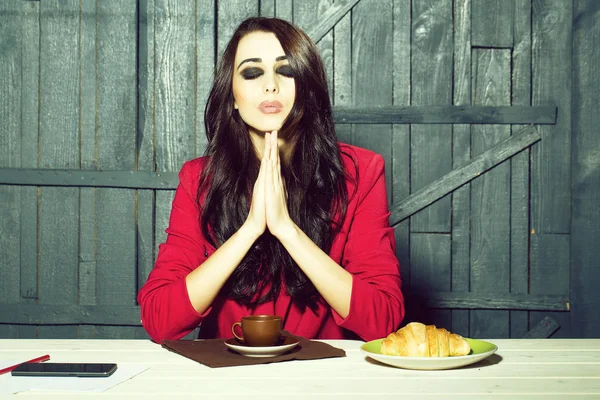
x=314, y=176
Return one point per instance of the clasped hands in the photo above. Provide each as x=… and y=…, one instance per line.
x=268, y=209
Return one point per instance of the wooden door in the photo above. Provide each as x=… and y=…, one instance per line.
x=468, y=101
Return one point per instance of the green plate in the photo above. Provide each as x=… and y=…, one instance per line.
x=479, y=350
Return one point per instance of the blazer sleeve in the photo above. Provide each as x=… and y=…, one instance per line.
x=166, y=310
x=377, y=303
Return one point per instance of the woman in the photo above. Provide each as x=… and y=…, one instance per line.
x=278, y=217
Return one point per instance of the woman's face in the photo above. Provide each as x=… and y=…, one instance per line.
x=263, y=85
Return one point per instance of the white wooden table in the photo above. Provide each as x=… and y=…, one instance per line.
x=521, y=368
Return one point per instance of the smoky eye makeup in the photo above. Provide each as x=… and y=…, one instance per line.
x=255, y=72
x=251, y=73
x=286, y=71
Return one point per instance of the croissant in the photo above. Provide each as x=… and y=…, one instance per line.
x=419, y=340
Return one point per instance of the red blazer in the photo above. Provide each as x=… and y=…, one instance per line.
x=365, y=247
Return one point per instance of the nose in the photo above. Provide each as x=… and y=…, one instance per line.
x=270, y=85
x=271, y=88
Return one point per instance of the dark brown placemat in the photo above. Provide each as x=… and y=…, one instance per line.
x=214, y=353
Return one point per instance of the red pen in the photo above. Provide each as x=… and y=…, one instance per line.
x=45, y=357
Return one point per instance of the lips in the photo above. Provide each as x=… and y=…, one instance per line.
x=270, y=107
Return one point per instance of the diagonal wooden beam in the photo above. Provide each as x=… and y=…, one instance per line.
x=333, y=15
x=543, y=330
x=458, y=177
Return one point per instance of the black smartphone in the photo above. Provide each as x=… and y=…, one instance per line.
x=87, y=370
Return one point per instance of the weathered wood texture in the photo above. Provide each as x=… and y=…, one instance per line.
x=12, y=20
x=446, y=114
x=461, y=175
x=544, y=329
x=519, y=191
x=174, y=70
x=87, y=196
x=116, y=150
x=461, y=155
x=431, y=85
x=469, y=102
x=144, y=143
x=58, y=148
x=585, y=252
x=308, y=15
x=129, y=315
x=490, y=194
x=551, y=52
x=372, y=72
x=401, y=135
x=431, y=151
x=492, y=23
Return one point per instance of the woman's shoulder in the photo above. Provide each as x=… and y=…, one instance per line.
x=191, y=171
x=357, y=154
x=195, y=164
x=360, y=160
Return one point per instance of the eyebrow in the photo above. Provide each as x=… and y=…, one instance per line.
x=257, y=60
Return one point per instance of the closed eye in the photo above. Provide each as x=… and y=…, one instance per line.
x=286, y=71
x=251, y=73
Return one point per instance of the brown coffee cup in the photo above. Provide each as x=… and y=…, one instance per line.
x=259, y=330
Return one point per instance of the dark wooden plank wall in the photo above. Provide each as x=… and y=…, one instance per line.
x=59, y=148
x=585, y=195
x=115, y=149
x=28, y=245
x=551, y=158
x=401, y=134
x=519, y=199
x=490, y=194
x=146, y=199
x=506, y=232
x=461, y=155
x=431, y=151
x=87, y=196
x=10, y=154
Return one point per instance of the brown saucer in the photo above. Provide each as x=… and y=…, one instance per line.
x=283, y=345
